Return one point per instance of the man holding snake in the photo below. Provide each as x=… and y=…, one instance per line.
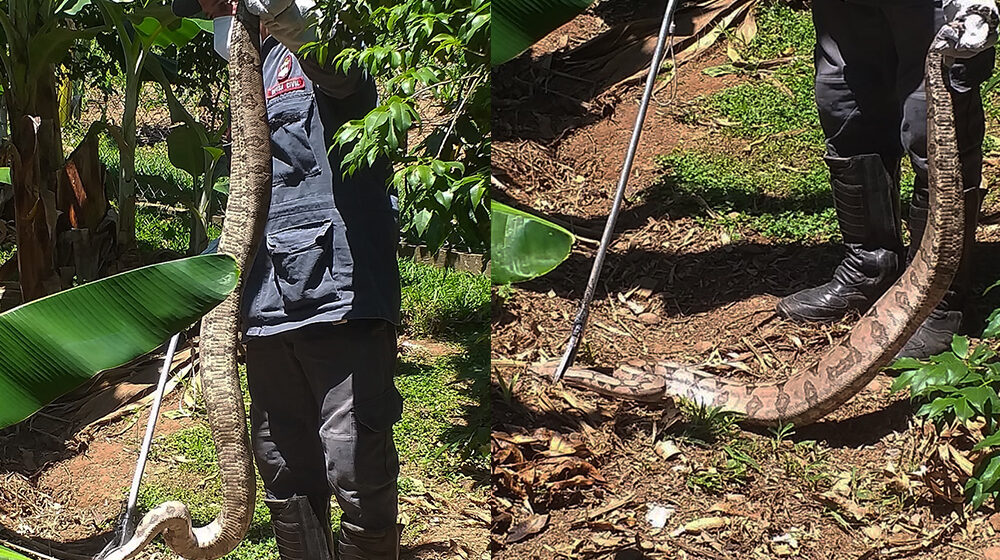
x=870, y=94
x=320, y=307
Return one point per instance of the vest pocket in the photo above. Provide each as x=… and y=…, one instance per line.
x=303, y=260
x=293, y=157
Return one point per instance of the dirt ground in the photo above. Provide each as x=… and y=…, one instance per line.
x=576, y=474
x=63, y=483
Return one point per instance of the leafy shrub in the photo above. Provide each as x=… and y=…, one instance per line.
x=960, y=388
x=431, y=58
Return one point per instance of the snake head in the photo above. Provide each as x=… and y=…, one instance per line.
x=971, y=28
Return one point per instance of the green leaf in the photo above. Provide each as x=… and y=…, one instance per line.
x=5, y=176
x=962, y=409
x=51, y=46
x=906, y=363
x=978, y=497
x=221, y=185
x=214, y=152
x=991, y=440
x=992, y=329
x=8, y=554
x=902, y=381
x=960, y=346
x=976, y=396
x=178, y=32
x=991, y=474
x=185, y=150
x=955, y=369
x=993, y=285
x=525, y=246
x=981, y=354
x=52, y=345
x=72, y=7
x=517, y=24
x=936, y=407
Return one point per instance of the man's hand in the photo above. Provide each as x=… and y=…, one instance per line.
x=218, y=8
x=970, y=28
x=290, y=21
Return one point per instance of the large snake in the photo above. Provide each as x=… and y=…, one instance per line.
x=246, y=213
x=873, y=341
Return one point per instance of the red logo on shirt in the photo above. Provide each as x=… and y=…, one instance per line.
x=285, y=69
x=284, y=87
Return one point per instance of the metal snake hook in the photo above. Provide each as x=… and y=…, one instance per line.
x=666, y=28
x=128, y=522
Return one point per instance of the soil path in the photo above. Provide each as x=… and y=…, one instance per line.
x=672, y=288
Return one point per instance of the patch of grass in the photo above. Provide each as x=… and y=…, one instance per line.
x=204, y=501
x=781, y=102
x=733, y=466
x=705, y=423
x=156, y=229
x=193, y=478
x=442, y=302
x=781, y=31
x=446, y=418
x=808, y=461
x=744, y=192
x=442, y=438
x=192, y=448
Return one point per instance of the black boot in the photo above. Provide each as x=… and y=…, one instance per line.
x=300, y=532
x=935, y=333
x=354, y=543
x=866, y=197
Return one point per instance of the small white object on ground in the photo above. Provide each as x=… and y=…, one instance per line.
x=659, y=514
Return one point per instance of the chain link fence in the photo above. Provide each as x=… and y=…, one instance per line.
x=163, y=217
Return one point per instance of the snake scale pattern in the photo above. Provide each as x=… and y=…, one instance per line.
x=872, y=343
x=246, y=213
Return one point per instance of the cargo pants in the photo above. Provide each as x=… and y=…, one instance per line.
x=323, y=406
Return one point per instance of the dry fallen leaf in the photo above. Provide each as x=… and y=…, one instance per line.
x=666, y=449
x=843, y=504
x=705, y=524
x=558, y=446
x=873, y=532
x=531, y=526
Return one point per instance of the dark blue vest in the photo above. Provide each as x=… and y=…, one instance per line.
x=329, y=250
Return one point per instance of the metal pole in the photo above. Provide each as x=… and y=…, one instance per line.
x=595, y=273
x=140, y=466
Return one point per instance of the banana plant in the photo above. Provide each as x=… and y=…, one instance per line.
x=34, y=36
x=52, y=345
x=196, y=150
x=140, y=26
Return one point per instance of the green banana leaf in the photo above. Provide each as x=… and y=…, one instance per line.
x=8, y=554
x=524, y=246
x=517, y=24
x=52, y=345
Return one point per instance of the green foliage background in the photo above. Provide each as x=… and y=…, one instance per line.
x=431, y=59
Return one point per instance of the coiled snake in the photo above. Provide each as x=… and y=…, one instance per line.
x=872, y=343
x=246, y=213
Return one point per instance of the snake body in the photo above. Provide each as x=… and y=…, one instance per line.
x=246, y=213
x=874, y=340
